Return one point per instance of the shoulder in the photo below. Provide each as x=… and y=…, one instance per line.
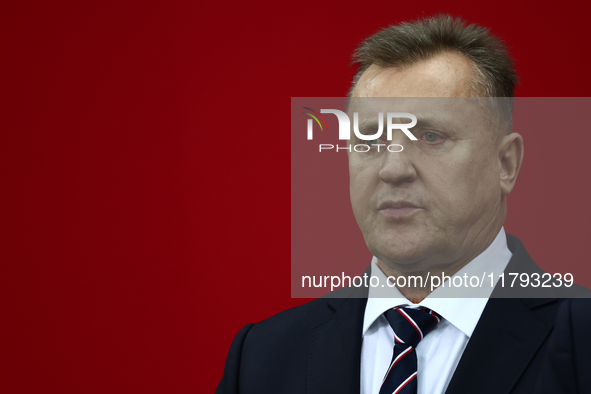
x=568, y=355
x=576, y=315
x=306, y=317
x=525, y=279
x=299, y=318
x=274, y=355
x=258, y=350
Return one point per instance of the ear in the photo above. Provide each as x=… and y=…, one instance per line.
x=510, y=159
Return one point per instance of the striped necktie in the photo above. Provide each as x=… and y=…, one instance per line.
x=410, y=326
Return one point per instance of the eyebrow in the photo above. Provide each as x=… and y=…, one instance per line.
x=422, y=123
x=431, y=123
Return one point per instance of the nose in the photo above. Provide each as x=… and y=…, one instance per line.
x=397, y=168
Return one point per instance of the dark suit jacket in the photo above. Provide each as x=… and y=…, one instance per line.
x=316, y=347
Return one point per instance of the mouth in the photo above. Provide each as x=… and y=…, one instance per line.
x=398, y=209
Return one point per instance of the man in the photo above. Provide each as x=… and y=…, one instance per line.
x=437, y=208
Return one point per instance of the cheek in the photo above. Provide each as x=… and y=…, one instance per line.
x=358, y=196
x=464, y=186
x=362, y=187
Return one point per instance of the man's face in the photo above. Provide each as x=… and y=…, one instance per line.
x=438, y=203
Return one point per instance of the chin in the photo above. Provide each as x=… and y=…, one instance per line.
x=398, y=256
x=401, y=261
x=403, y=254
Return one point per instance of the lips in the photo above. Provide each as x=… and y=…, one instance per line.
x=396, y=205
x=398, y=209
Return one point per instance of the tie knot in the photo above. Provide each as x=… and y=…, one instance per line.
x=411, y=325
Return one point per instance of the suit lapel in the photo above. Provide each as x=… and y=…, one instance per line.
x=503, y=344
x=335, y=352
x=508, y=334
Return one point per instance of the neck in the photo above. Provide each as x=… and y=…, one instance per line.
x=417, y=288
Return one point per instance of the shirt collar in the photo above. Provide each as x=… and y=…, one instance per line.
x=462, y=312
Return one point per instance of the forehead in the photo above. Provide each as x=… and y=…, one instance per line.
x=439, y=91
x=444, y=75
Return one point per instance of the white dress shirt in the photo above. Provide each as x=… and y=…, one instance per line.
x=440, y=351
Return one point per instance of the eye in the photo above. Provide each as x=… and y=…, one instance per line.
x=430, y=137
x=374, y=142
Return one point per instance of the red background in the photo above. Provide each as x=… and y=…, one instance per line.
x=145, y=173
